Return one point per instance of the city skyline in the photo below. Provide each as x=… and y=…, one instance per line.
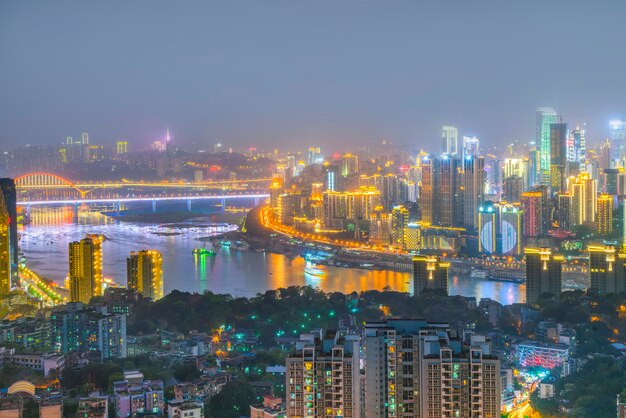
x=343, y=75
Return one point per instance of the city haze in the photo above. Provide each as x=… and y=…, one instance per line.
x=334, y=74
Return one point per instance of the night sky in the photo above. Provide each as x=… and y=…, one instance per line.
x=338, y=73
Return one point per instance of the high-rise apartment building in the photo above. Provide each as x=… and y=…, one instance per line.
x=543, y=273
x=349, y=165
x=564, y=215
x=607, y=269
x=511, y=227
x=545, y=116
x=390, y=189
x=145, y=273
x=473, y=189
x=323, y=378
x=605, y=215
x=414, y=368
x=6, y=260
x=532, y=203
x=617, y=137
x=513, y=187
x=340, y=208
x=121, y=147
x=7, y=185
x=429, y=272
x=585, y=199
x=76, y=327
x=428, y=190
x=500, y=229
x=577, y=145
x=558, y=156
x=460, y=377
x=487, y=228
x=450, y=140
x=470, y=147
x=85, y=268
x=399, y=224
x=448, y=192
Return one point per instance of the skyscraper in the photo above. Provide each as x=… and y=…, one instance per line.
x=543, y=273
x=10, y=201
x=349, y=165
x=513, y=187
x=5, y=248
x=564, y=215
x=510, y=233
x=605, y=214
x=617, y=135
x=85, y=268
x=145, y=273
x=532, y=203
x=470, y=146
x=427, y=191
x=545, y=116
x=121, y=147
x=607, y=269
x=558, y=156
x=585, y=199
x=487, y=228
x=450, y=140
x=473, y=189
x=429, y=272
x=419, y=369
x=323, y=378
x=449, y=192
x=399, y=223
x=577, y=145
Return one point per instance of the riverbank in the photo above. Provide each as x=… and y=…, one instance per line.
x=261, y=238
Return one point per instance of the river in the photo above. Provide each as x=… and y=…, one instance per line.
x=44, y=243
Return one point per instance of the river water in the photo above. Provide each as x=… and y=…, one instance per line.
x=44, y=243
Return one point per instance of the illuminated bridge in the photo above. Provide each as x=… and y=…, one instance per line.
x=47, y=188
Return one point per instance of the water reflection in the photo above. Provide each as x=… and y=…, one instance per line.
x=45, y=246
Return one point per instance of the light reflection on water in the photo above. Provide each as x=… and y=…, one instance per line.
x=45, y=245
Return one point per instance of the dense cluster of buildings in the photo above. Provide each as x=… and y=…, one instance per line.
x=462, y=200
x=413, y=368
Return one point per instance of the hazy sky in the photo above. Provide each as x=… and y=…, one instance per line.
x=333, y=73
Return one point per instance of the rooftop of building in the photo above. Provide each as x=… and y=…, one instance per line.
x=10, y=402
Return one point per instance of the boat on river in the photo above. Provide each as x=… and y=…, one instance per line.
x=312, y=269
x=202, y=251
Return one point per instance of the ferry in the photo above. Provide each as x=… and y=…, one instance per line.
x=479, y=274
x=202, y=251
x=313, y=270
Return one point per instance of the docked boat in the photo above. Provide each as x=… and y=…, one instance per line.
x=202, y=251
x=479, y=274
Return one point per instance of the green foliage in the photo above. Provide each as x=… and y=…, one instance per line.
x=186, y=372
x=233, y=401
x=92, y=376
x=546, y=407
x=289, y=312
x=11, y=373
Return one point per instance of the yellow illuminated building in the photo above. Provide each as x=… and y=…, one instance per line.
x=85, y=275
x=605, y=214
x=584, y=203
x=122, y=147
x=145, y=273
x=429, y=272
x=5, y=249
